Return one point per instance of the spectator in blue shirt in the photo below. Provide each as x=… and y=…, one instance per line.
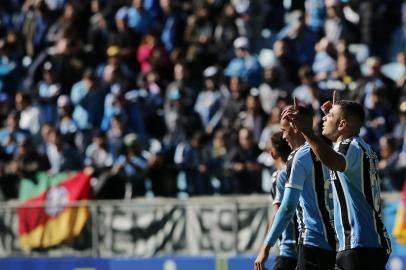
x=172, y=25
x=300, y=37
x=192, y=159
x=139, y=19
x=132, y=167
x=66, y=125
x=209, y=101
x=48, y=91
x=245, y=64
x=11, y=134
x=87, y=98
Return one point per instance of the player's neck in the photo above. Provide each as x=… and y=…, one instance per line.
x=298, y=142
x=343, y=137
x=279, y=163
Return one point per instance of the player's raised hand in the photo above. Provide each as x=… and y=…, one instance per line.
x=297, y=120
x=326, y=107
x=290, y=112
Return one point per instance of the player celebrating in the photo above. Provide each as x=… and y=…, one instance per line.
x=306, y=185
x=363, y=240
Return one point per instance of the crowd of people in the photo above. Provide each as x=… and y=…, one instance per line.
x=170, y=97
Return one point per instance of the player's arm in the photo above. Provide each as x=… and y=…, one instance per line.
x=281, y=221
x=278, y=195
x=275, y=208
x=324, y=152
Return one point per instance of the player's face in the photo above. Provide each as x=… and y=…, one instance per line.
x=331, y=122
x=288, y=132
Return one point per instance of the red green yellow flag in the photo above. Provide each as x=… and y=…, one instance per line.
x=46, y=214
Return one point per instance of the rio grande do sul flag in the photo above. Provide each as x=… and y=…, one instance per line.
x=45, y=216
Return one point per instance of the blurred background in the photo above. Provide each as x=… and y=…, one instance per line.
x=135, y=133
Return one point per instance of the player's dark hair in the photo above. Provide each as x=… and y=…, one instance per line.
x=352, y=110
x=280, y=145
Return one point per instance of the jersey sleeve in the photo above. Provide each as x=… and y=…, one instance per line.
x=297, y=174
x=284, y=216
x=350, y=152
x=280, y=185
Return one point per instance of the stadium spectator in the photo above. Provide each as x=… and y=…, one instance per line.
x=61, y=155
x=29, y=115
x=209, y=101
x=131, y=167
x=24, y=162
x=300, y=37
x=242, y=163
x=191, y=158
x=218, y=153
x=253, y=116
x=234, y=104
x=275, y=84
x=391, y=169
x=199, y=35
x=11, y=134
x=336, y=25
x=374, y=81
x=172, y=26
x=48, y=91
x=244, y=64
x=226, y=32
x=66, y=125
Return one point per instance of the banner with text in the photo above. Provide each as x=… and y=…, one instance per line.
x=202, y=226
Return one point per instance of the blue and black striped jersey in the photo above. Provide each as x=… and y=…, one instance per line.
x=287, y=241
x=357, y=201
x=314, y=210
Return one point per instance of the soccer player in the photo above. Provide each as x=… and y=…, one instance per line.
x=280, y=150
x=363, y=240
x=305, y=190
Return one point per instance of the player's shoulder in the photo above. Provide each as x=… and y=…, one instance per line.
x=303, y=155
x=284, y=169
x=304, y=151
x=348, y=144
x=282, y=173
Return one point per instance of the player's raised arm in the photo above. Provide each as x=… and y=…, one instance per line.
x=323, y=151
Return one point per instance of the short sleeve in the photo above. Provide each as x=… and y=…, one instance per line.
x=280, y=185
x=297, y=175
x=350, y=152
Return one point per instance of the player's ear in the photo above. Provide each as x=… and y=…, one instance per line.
x=342, y=124
x=274, y=154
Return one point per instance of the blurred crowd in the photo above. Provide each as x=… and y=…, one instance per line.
x=179, y=97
